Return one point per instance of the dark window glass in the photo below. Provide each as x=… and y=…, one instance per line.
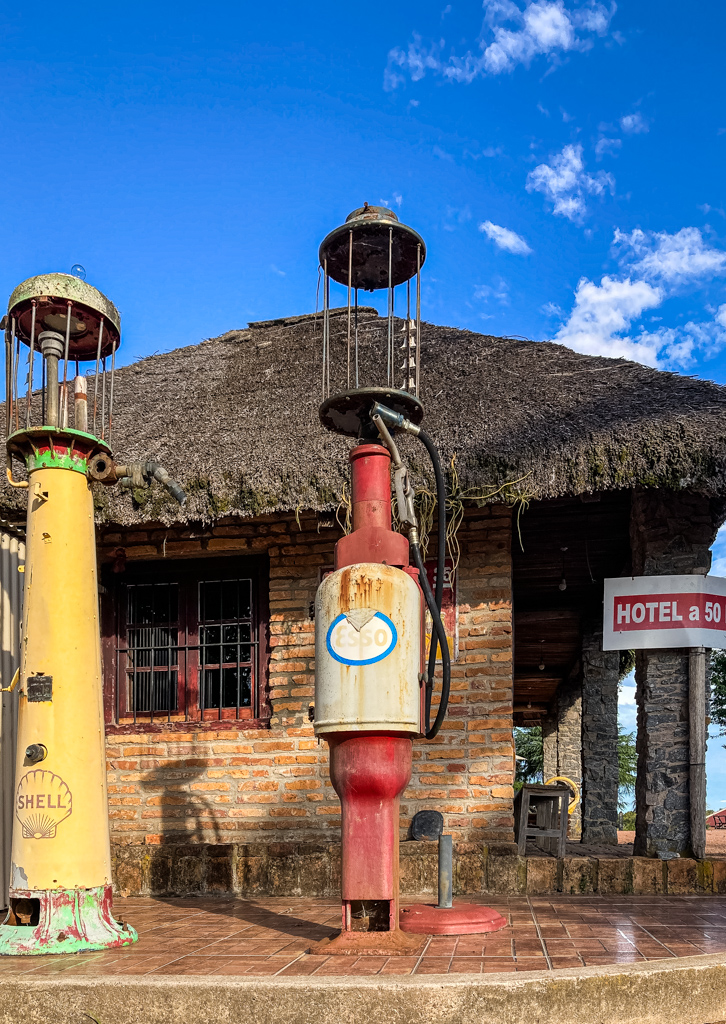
x=152, y=624
x=225, y=650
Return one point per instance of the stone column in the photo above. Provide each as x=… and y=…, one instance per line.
x=562, y=742
x=569, y=743
x=549, y=743
x=671, y=534
x=599, y=738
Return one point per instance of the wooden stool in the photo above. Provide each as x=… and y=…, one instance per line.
x=549, y=830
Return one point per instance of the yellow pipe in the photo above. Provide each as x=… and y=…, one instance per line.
x=573, y=786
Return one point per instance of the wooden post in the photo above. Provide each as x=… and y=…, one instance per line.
x=697, y=748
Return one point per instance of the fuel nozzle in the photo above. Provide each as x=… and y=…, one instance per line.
x=396, y=420
x=405, y=493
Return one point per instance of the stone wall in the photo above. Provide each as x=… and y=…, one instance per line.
x=307, y=869
x=671, y=533
x=250, y=786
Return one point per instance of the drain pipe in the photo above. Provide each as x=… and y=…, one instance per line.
x=104, y=470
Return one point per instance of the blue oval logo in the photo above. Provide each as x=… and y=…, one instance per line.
x=362, y=637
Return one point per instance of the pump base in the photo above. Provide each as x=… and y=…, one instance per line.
x=393, y=943
x=62, y=921
x=466, y=919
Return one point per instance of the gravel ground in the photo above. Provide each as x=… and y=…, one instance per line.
x=715, y=846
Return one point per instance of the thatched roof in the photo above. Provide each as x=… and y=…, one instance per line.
x=235, y=420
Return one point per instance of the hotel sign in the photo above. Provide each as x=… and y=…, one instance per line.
x=644, y=612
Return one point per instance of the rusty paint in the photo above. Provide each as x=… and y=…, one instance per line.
x=62, y=921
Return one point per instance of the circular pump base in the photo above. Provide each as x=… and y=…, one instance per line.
x=466, y=919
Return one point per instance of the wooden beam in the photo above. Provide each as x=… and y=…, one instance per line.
x=697, y=748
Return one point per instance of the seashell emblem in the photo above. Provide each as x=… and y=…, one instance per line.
x=42, y=802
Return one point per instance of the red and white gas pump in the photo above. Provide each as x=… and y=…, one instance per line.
x=372, y=692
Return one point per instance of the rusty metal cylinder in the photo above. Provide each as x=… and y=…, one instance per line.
x=368, y=651
x=80, y=404
x=371, y=486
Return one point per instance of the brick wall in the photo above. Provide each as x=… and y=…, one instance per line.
x=251, y=786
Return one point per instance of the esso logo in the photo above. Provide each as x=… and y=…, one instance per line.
x=372, y=642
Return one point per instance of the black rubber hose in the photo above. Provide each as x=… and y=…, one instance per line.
x=438, y=629
x=440, y=560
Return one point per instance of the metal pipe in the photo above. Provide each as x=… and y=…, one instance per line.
x=8, y=377
x=103, y=401
x=326, y=331
x=356, y=338
x=16, y=400
x=446, y=872
x=350, y=275
x=110, y=397
x=98, y=363
x=64, y=405
x=390, y=307
x=30, y=366
x=418, y=316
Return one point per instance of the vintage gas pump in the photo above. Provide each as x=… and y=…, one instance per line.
x=372, y=694
x=60, y=890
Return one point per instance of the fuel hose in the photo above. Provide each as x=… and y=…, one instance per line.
x=440, y=633
x=440, y=563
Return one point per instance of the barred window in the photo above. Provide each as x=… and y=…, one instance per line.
x=186, y=641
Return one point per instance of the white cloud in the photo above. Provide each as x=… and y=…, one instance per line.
x=441, y=153
x=670, y=260
x=603, y=313
x=634, y=124
x=498, y=289
x=565, y=183
x=607, y=147
x=505, y=239
x=511, y=35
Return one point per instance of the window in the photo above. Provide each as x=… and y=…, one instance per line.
x=186, y=641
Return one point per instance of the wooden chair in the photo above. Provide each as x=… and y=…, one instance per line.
x=549, y=805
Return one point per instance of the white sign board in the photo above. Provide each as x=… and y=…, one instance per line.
x=643, y=612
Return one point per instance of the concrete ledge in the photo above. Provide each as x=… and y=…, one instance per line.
x=691, y=990
x=307, y=869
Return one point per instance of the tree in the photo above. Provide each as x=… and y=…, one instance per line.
x=627, y=766
x=528, y=745
x=718, y=690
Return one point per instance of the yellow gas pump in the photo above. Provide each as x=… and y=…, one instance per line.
x=60, y=891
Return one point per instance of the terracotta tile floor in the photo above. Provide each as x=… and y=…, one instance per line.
x=231, y=936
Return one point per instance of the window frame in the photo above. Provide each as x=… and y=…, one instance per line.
x=188, y=573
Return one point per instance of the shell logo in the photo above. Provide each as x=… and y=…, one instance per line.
x=42, y=802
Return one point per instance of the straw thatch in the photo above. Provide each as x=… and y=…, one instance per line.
x=235, y=420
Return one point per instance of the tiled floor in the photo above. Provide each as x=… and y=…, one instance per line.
x=233, y=936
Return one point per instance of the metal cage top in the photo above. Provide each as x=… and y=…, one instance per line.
x=52, y=295
x=379, y=240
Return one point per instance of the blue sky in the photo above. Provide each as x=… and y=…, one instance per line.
x=563, y=160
